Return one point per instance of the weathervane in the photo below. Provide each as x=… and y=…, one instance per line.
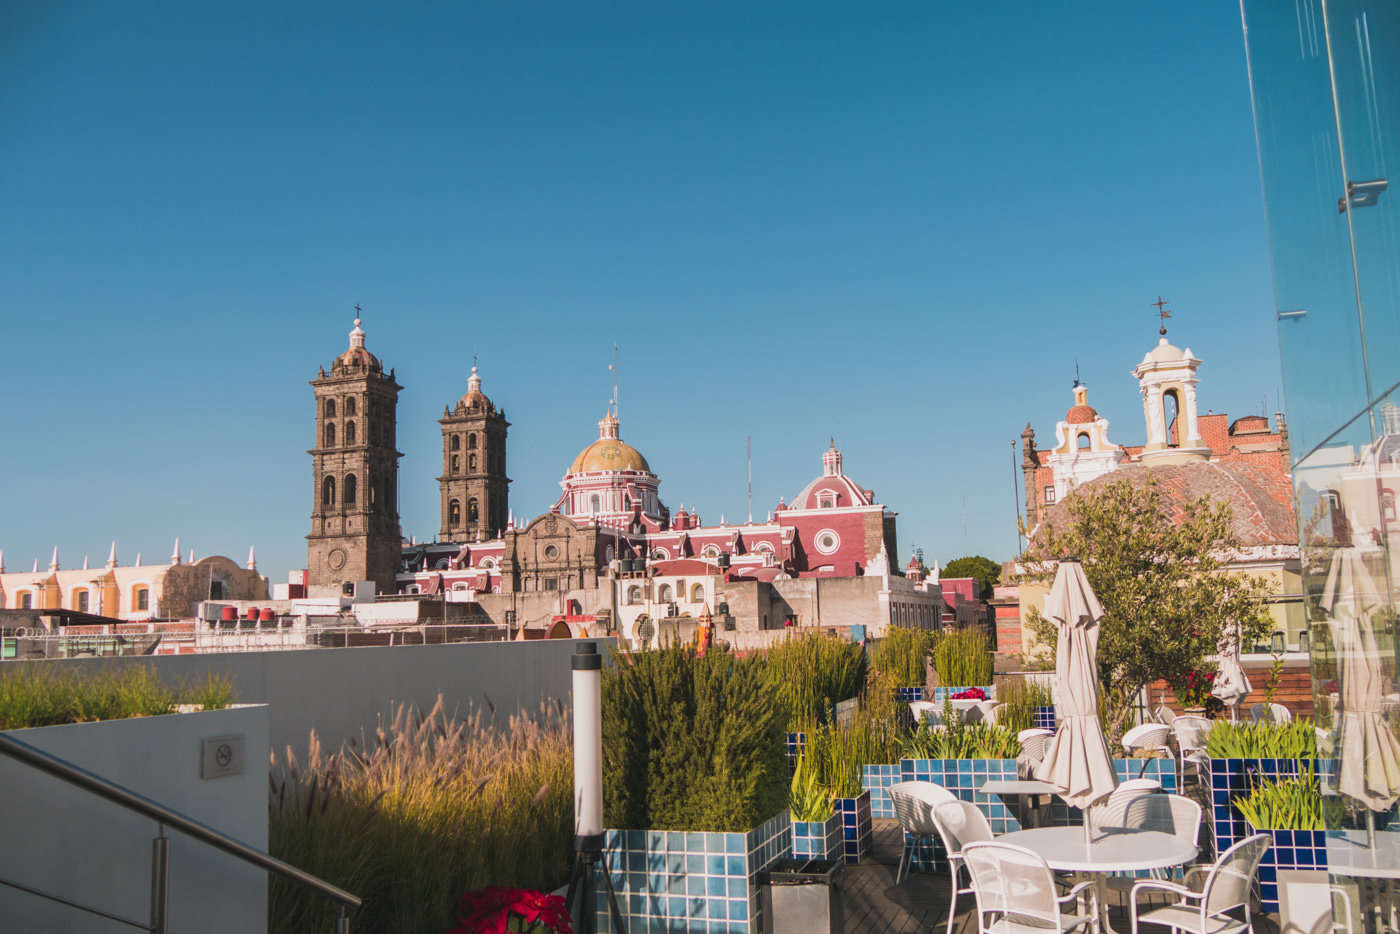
x=1162, y=314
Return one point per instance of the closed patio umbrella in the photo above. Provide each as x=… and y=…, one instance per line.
x=1077, y=760
x=1370, y=754
x=1231, y=684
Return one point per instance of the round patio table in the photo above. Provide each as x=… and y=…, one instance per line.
x=1111, y=850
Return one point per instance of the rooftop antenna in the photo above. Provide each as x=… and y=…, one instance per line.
x=1162, y=314
x=748, y=454
x=1076, y=376
x=1016, y=497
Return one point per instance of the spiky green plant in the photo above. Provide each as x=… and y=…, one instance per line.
x=903, y=652
x=1017, y=700
x=808, y=800
x=1262, y=740
x=431, y=806
x=812, y=672
x=956, y=739
x=963, y=658
x=1285, y=803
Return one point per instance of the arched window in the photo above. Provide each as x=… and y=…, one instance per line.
x=26, y=601
x=471, y=463
x=664, y=594
x=1083, y=441
x=456, y=463
x=1388, y=505
x=141, y=598
x=697, y=593
x=216, y=590
x=596, y=503
x=455, y=443
x=80, y=601
x=1171, y=412
x=350, y=406
x=659, y=554
x=349, y=432
x=471, y=441
x=330, y=434
x=454, y=512
x=763, y=548
x=350, y=489
x=472, y=509
x=711, y=551
x=634, y=595
x=627, y=502
x=328, y=491
x=330, y=408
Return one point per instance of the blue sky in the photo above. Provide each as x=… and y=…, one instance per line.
x=902, y=225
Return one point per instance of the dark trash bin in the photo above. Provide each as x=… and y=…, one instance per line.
x=803, y=896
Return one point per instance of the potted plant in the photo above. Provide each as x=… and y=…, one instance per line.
x=1192, y=688
x=512, y=911
x=695, y=785
x=902, y=655
x=963, y=661
x=1243, y=755
x=1289, y=810
x=816, y=826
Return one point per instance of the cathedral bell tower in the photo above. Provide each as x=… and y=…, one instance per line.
x=474, y=488
x=355, y=468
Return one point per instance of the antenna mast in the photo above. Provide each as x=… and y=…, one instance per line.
x=614, y=373
x=748, y=454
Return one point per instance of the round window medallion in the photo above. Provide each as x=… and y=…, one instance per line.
x=551, y=552
x=828, y=541
x=336, y=559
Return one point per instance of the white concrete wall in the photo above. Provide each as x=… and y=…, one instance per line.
x=61, y=839
x=342, y=693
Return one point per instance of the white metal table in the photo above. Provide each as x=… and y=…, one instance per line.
x=1110, y=850
x=1373, y=860
x=1019, y=789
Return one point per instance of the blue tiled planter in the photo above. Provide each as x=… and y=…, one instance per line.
x=1231, y=779
x=796, y=742
x=818, y=839
x=1044, y=717
x=875, y=779
x=962, y=777
x=693, y=882
x=1291, y=849
x=907, y=694
x=857, y=826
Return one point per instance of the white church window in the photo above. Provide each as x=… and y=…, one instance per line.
x=828, y=541
x=597, y=503
x=659, y=555
x=1049, y=494
x=664, y=594
x=763, y=548
x=697, y=593
x=1083, y=440
x=634, y=596
x=712, y=552
x=826, y=499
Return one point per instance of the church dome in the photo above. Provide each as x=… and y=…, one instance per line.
x=357, y=355
x=475, y=398
x=1165, y=353
x=609, y=452
x=1081, y=414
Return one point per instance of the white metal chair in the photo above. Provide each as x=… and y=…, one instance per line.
x=1190, y=733
x=1016, y=892
x=1173, y=814
x=1224, y=887
x=1275, y=713
x=913, y=805
x=1144, y=737
x=959, y=823
x=1165, y=715
x=1034, y=743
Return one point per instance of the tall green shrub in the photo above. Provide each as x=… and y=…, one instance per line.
x=1016, y=703
x=812, y=672
x=902, y=652
x=691, y=742
x=963, y=658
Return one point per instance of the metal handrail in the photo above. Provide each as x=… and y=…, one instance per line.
x=125, y=797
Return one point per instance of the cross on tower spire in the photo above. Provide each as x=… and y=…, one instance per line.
x=1162, y=314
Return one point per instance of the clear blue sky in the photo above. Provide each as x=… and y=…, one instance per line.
x=900, y=224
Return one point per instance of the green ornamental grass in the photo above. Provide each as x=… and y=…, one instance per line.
x=902, y=652
x=1285, y=803
x=963, y=658
x=429, y=807
x=1262, y=740
x=48, y=693
x=812, y=672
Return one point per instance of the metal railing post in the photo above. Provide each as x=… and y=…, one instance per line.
x=342, y=925
x=160, y=883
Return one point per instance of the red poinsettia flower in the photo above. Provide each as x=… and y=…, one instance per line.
x=500, y=910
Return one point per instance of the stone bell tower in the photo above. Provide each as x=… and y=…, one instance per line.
x=355, y=468
x=473, y=487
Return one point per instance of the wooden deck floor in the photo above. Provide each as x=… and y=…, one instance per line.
x=919, y=905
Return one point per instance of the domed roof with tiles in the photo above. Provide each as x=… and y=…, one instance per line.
x=475, y=398
x=833, y=489
x=609, y=452
x=1081, y=414
x=357, y=355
